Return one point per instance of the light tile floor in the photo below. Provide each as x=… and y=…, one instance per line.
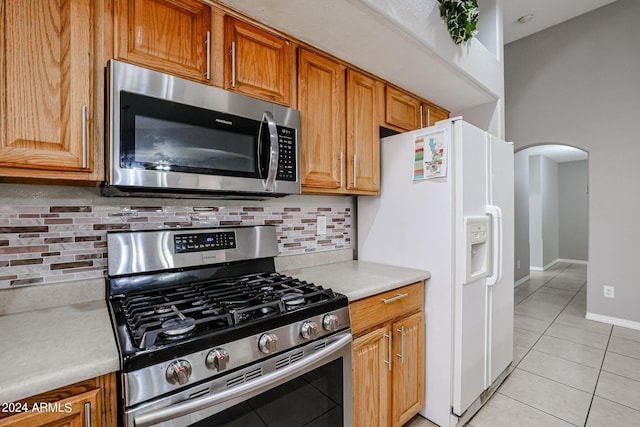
x=567, y=371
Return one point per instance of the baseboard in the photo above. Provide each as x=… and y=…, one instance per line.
x=546, y=267
x=613, y=321
x=573, y=261
x=521, y=281
x=552, y=263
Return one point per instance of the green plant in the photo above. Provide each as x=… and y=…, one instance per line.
x=461, y=17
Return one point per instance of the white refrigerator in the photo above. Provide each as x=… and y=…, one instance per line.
x=446, y=205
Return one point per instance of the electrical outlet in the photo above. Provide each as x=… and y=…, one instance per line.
x=321, y=225
x=609, y=291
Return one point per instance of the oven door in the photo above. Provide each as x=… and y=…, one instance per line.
x=310, y=385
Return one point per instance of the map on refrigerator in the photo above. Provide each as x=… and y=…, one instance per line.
x=430, y=156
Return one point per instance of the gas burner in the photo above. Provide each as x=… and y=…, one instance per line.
x=292, y=300
x=178, y=326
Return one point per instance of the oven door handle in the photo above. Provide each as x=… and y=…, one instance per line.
x=274, y=150
x=256, y=387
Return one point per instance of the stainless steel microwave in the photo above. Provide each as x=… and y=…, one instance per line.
x=175, y=137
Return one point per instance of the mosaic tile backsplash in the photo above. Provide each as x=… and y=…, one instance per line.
x=46, y=244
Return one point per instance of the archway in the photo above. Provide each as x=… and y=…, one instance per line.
x=551, y=207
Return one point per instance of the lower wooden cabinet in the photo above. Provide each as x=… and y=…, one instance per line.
x=90, y=403
x=388, y=357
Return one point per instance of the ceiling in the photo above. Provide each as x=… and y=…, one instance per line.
x=557, y=153
x=546, y=14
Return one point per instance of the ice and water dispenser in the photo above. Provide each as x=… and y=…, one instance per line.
x=478, y=247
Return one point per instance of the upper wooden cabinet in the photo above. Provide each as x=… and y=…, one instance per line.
x=258, y=63
x=365, y=100
x=47, y=93
x=432, y=114
x=172, y=36
x=404, y=111
x=321, y=100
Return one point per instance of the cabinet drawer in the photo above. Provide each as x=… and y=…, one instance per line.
x=372, y=311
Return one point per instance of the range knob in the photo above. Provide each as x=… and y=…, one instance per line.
x=179, y=372
x=268, y=343
x=330, y=322
x=217, y=359
x=309, y=330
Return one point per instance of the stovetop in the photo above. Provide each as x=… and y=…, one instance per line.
x=169, y=315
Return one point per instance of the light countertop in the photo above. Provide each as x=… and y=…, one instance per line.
x=45, y=349
x=359, y=279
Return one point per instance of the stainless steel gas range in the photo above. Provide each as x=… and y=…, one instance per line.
x=210, y=334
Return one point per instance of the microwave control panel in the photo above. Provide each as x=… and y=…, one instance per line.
x=287, y=154
x=197, y=242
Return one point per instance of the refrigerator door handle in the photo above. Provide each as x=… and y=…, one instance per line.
x=496, y=244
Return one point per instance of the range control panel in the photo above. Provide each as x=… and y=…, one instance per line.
x=197, y=242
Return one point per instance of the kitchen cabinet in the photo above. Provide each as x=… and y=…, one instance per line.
x=258, y=62
x=406, y=112
x=87, y=403
x=402, y=110
x=431, y=114
x=321, y=100
x=48, y=98
x=388, y=356
x=365, y=99
x=172, y=36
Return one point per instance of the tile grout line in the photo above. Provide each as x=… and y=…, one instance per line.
x=598, y=379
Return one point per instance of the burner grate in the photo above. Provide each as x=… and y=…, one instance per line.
x=169, y=314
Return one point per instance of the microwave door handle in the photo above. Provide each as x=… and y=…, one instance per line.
x=273, y=150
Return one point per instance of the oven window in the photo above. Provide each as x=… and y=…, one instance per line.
x=314, y=400
x=156, y=134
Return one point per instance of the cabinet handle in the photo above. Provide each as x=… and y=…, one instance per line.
x=390, y=337
x=207, y=42
x=85, y=137
x=87, y=414
x=233, y=64
x=341, y=168
x=355, y=171
x=401, y=355
x=396, y=298
x=428, y=117
x=421, y=117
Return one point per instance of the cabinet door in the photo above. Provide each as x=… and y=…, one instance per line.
x=371, y=379
x=408, y=368
x=321, y=100
x=401, y=109
x=432, y=114
x=46, y=75
x=365, y=97
x=258, y=63
x=75, y=411
x=166, y=35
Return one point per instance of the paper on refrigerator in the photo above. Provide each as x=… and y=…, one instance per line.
x=430, y=156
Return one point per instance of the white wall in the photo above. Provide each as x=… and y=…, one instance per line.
x=550, y=211
x=521, y=188
x=543, y=212
x=577, y=83
x=574, y=210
